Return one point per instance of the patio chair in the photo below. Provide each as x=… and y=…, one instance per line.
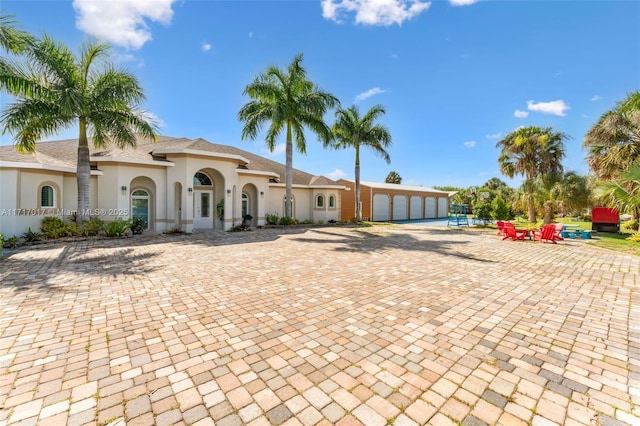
x=510, y=231
x=547, y=233
x=559, y=231
x=500, y=225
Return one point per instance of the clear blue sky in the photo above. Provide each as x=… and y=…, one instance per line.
x=454, y=78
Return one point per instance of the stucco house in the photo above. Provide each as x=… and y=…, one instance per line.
x=389, y=201
x=175, y=182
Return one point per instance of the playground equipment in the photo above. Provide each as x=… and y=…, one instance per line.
x=458, y=215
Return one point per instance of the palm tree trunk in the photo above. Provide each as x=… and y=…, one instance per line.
x=83, y=174
x=548, y=211
x=288, y=174
x=357, y=185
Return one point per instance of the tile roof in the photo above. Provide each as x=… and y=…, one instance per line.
x=64, y=153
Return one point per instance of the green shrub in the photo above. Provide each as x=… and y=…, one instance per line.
x=138, y=225
x=117, y=228
x=634, y=237
x=500, y=209
x=272, y=219
x=285, y=221
x=11, y=242
x=586, y=217
x=320, y=222
x=54, y=227
x=175, y=230
x=31, y=236
x=482, y=211
x=94, y=226
x=631, y=225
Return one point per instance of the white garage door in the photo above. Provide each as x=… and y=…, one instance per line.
x=380, y=207
x=430, y=208
x=416, y=207
x=400, y=207
x=443, y=207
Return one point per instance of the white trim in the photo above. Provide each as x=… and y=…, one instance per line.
x=99, y=159
x=199, y=152
x=39, y=166
x=295, y=185
x=256, y=172
x=399, y=187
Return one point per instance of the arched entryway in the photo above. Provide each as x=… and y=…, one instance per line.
x=207, y=194
x=249, y=203
x=142, y=200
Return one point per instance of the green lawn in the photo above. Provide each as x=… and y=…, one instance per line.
x=617, y=242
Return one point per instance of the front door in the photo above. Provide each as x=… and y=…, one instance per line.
x=203, y=209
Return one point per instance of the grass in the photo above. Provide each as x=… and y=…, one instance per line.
x=607, y=240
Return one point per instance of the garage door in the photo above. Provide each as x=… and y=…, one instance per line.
x=400, y=207
x=443, y=207
x=380, y=207
x=430, y=208
x=416, y=207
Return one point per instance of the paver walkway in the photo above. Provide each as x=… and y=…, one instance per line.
x=399, y=325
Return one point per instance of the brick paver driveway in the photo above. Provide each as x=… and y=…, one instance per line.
x=386, y=325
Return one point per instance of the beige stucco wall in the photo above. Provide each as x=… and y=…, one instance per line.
x=171, y=202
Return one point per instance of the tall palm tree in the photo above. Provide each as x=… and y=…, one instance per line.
x=13, y=39
x=54, y=90
x=530, y=151
x=352, y=131
x=613, y=142
x=291, y=102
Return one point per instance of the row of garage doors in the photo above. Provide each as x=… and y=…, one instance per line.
x=414, y=209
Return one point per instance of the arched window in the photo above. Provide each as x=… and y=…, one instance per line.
x=320, y=201
x=201, y=179
x=332, y=201
x=46, y=196
x=140, y=206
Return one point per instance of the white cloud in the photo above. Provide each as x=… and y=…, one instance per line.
x=521, y=114
x=159, y=122
x=596, y=98
x=336, y=174
x=122, y=22
x=554, y=107
x=374, y=12
x=369, y=93
x=494, y=136
x=462, y=2
x=277, y=150
x=206, y=47
x=470, y=144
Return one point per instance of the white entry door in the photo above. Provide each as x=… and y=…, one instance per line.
x=203, y=209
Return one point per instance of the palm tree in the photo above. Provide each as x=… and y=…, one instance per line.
x=13, y=39
x=393, y=177
x=624, y=192
x=54, y=90
x=613, y=143
x=530, y=151
x=572, y=192
x=291, y=102
x=352, y=131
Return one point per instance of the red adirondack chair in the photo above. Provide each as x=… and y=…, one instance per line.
x=559, y=229
x=546, y=234
x=500, y=225
x=510, y=231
